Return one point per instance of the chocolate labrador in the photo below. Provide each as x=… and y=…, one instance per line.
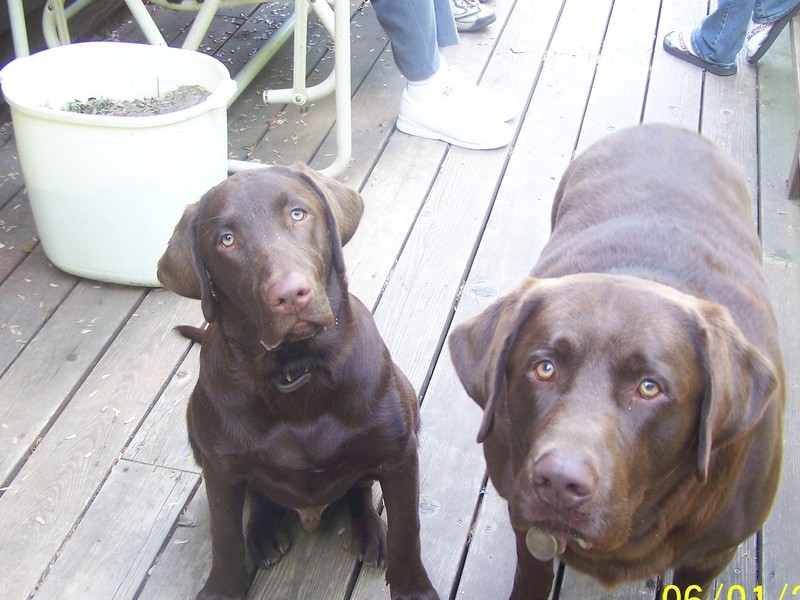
x=633, y=387
x=298, y=403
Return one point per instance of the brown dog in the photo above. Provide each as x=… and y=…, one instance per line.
x=633, y=388
x=298, y=403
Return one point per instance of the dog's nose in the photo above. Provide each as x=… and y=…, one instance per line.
x=562, y=480
x=290, y=294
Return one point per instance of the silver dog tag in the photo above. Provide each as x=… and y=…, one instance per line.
x=541, y=545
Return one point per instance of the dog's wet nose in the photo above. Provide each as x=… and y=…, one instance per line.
x=290, y=294
x=562, y=480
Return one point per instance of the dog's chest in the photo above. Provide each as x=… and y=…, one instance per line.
x=310, y=463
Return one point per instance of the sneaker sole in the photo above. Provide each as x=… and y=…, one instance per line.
x=409, y=127
x=721, y=70
x=477, y=25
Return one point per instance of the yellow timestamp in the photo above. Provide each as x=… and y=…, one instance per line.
x=731, y=592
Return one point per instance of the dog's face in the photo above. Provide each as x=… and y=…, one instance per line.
x=266, y=244
x=605, y=391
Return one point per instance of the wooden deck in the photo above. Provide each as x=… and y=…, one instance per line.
x=100, y=496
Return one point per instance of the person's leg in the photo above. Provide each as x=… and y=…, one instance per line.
x=721, y=34
x=768, y=20
x=416, y=30
x=713, y=45
x=435, y=103
x=769, y=11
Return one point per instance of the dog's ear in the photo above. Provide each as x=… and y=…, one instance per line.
x=479, y=349
x=181, y=269
x=346, y=203
x=176, y=268
x=740, y=382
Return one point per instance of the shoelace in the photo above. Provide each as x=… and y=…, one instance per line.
x=466, y=5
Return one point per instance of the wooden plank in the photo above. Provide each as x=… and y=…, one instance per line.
x=70, y=463
x=393, y=196
x=17, y=234
x=673, y=95
x=318, y=565
x=124, y=545
x=10, y=177
x=577, y=586
x=491, y=562
x=780, y=223
x=728, y=118
x=163, y=439
x=30, y=295
x=38, y=386
x=181, y=569
x=623, y=70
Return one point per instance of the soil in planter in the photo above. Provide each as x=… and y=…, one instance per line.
x=178, y=99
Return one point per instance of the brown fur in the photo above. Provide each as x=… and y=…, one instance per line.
x=633, y=387
x=298, y=403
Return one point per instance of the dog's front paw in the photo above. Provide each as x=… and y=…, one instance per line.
x=268, y=537
x=369, y=540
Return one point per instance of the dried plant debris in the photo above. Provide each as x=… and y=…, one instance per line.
x=172, y=101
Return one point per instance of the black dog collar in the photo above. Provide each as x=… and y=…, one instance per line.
x=292, y=380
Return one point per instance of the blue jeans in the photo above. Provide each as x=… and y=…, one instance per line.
x=721, y=34
x=416, y=30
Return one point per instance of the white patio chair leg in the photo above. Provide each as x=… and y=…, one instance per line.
x=145, y=22
x=55, y=18
x=19, y=28
x=201, y=24
x=344, y=137
x=338, y=81
x=260, y=59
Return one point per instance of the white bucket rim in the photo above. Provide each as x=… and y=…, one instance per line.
x=15, y=71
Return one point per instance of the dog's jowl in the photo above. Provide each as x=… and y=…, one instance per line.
x=298, y=404
x=632, y=388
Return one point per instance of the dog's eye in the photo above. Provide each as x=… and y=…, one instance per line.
x=298, y=214
x=226, y=240
x=649, y=389
x=544, y=370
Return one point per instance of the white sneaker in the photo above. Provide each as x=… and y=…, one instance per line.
x=457, y=112
x=470, y=15
x=481, y=99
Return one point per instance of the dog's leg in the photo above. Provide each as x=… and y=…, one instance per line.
x=405, y=574
x=268, y=536
x=228, y=578
x=369, y=530
x=533, y=579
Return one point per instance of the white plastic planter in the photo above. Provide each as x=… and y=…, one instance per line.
x=107, y=191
